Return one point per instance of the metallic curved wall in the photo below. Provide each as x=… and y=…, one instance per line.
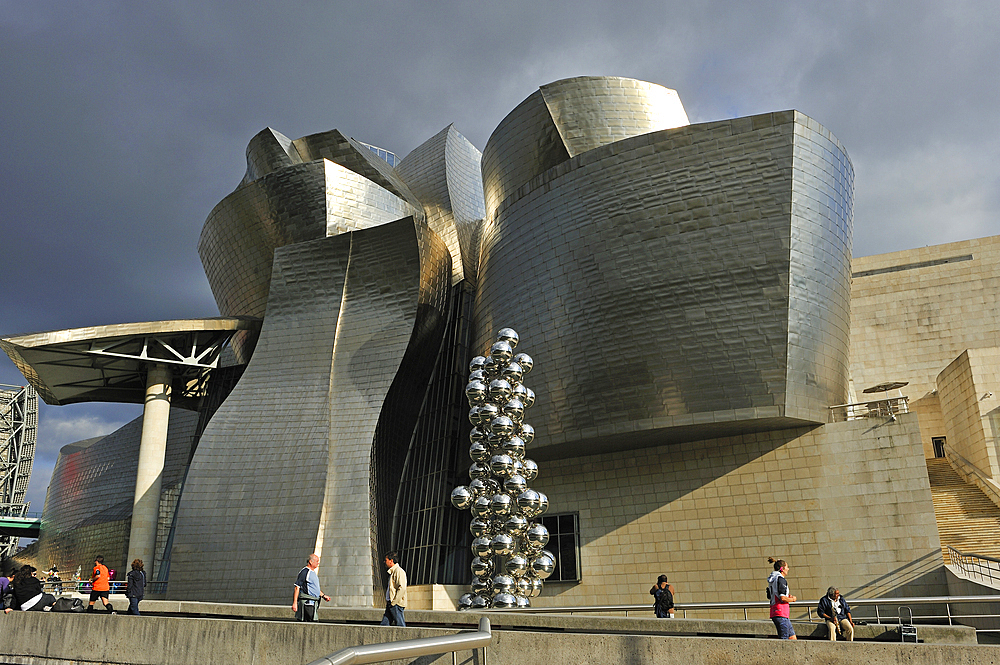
x=287, y=457
x=569, y=117
x=88, y=505
x=444, y=173
x=682, y=283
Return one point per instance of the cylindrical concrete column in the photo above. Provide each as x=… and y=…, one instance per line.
x=149, y=476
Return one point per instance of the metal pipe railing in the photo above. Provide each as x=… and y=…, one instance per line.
x=406, y=649
x=975, y=564
x=946, y=601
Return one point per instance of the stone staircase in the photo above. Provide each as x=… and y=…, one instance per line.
x=967, y=520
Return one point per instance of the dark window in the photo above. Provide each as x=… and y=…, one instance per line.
x=938, y=443
x=564, y=542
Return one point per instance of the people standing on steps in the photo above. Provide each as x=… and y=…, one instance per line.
x=395, y=592
x=781, y=598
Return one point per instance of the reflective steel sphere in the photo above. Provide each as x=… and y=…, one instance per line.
x=525, y=431
x=481, y=507
x=529, y=398
x=528, y=501
x=502, y=544
x=537, y=535
x=479, y=527
x=476, y=363
x=479, y=603
x=514, y=447
x=503, y=466
x=512, y=372
x=482, y=567
x=543, y=503
x=477, y=470
x=482, y=586
x=500, y=505
x=522, y=601
x=499, y=391
x=487, y=412
x=504, y=584
x=513, y=485
x=501, y=353
x=491, y=367
x=496, y=441
x=536, y=588
x=475, y=391
x=461, y=497
x=517, y=566
x=481, y=548
x=516, y=524
x=517, y=390
x=478, y=375
x=529, y=470
x=514, y=410
x=479, y=452
x=492, y=487
x=508, y=335
x=478, y=487
x=523, y=586
x=543, y=566
x=525, y=361
x=476, y=434
x=474, y=415
x=502, y=426
x=505, y=601
x=465, y=602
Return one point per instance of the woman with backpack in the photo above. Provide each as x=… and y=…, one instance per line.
x=663, y=593
x=780, y=597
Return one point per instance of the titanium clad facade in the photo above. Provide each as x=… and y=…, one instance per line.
x=88, y=505
x=287, y=458
x=681, y=282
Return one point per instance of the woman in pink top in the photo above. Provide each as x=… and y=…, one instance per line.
x=777, y=592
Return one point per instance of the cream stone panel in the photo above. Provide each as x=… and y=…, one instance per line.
x=928, y=410
x=846, y=503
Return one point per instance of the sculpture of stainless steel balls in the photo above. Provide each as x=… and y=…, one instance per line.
x=537, y=535
x=509, y=561
x=461, y=497
x=479, y=452
x=524, y=361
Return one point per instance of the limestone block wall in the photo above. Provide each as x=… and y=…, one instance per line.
x=915, y=311
x=928, y=410
x=846, y=504
x=970, y=407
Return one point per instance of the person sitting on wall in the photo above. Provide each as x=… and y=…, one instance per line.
x=25, y=593
x=833, y=608
x=663, y=593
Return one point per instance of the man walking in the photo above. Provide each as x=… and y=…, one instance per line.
x=100, y=585
x=395, y=592
x=307, y=592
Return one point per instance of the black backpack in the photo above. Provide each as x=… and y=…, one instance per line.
x=67, y=604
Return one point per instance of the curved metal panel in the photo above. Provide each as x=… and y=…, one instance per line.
x=659, y=290
x=591, y=111
x=287, y=457
x=267, y=152
x=444, y=174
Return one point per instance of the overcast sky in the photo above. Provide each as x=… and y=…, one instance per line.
x=124, y=123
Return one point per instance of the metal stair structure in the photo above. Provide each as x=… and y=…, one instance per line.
x=967, y=520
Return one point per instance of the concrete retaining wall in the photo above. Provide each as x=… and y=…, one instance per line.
x=52, y=639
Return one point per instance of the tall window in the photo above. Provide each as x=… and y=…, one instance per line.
x=564, y=542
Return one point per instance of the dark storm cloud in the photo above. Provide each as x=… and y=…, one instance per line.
x=126, y=122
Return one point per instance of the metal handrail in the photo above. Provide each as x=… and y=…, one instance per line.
x=947, y=601
x=974, y=564
x=405, y=649
x=874, y=408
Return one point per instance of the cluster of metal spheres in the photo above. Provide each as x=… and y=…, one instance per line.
x=510, y=560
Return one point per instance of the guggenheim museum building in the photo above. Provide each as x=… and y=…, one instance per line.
x=686, y=293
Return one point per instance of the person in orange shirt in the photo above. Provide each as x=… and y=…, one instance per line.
x=100, y=585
